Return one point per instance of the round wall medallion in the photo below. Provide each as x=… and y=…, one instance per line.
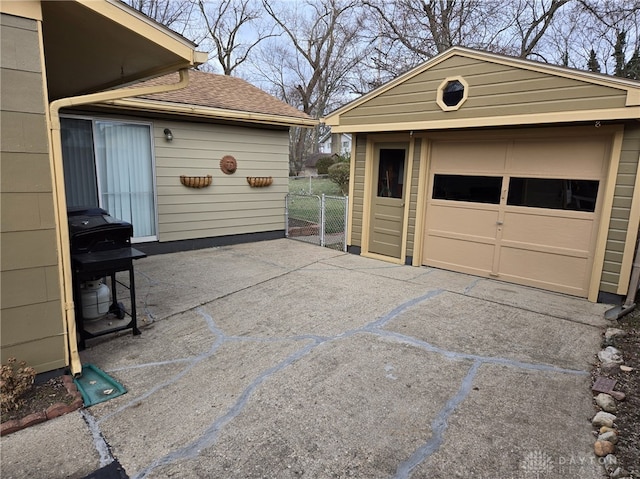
x=228, y=165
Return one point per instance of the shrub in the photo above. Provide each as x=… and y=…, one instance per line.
x=14, y=383
x=323, y=164
x=339, y=174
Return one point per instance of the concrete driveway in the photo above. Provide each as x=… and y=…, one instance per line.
x=284, y=360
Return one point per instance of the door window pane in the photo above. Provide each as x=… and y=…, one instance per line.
x=476, y=189
x=560, y=194
x=391, y=172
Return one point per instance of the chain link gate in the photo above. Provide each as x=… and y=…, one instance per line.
x=320, y=220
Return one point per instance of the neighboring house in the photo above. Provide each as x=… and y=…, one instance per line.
x=121, y=147
x=339, y=143
x=499, y=167
x=54, y=55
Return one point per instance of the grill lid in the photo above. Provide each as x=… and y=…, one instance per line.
x=95, y=230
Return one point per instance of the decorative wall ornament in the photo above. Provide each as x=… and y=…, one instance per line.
x=228, y=165
x=196, y=181
x=257, y=181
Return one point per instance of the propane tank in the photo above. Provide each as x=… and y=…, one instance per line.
x=95, y=299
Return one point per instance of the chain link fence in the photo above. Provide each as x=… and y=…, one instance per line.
x=320, y=220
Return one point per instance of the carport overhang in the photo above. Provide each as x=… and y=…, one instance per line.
x=92, y=46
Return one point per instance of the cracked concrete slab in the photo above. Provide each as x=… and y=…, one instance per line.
x=306, y=303
x=61, y=448
x=191, y=401
x=283, y=359
x=477, y=327
x=334, y=413
x=517, y=423
x=545, y=302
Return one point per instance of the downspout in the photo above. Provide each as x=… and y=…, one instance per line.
x=630, y=301
x=60, y=200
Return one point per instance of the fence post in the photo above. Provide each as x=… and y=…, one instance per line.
x=286, y=215
x=346, y=224
x=322, y=219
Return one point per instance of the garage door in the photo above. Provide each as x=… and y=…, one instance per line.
x=523, y=210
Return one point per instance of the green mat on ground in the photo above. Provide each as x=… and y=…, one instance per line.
x=96, y=386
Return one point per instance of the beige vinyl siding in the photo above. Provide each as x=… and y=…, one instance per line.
x=494, y=90
x=413, y=196
x=360, y=144
x=229, y=206
x=625, y=183
x=32, y=325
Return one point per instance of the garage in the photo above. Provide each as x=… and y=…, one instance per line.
x=499, y=167
x=523, y=210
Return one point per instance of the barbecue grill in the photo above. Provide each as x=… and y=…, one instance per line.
x=100, y=247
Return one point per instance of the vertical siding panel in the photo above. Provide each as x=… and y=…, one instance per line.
x=625, y=184
x=413, y=197
x=360, y=145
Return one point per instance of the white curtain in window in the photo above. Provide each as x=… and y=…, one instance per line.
x=125, y=174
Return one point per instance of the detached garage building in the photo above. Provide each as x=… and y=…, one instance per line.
x=499, y=167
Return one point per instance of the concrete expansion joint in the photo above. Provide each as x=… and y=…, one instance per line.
x=438, y=426
x=99, y=441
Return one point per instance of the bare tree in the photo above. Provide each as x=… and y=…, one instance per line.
x=532, y=19
x=311, y=65
x=225, y=22
x=614, y=34
x=408, y=32
x=174, y=14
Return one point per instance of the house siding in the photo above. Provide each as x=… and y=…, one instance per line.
x=494, y=90
x=625, y=184
x=229, y=206
x=358, y=190
x=413, y=196
x=32, y=327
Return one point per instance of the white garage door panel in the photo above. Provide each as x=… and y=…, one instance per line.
x=487, y=156
x=546, y=230
x=477, y=222
x=561, y=159
x=561, y=273
x=460, y=255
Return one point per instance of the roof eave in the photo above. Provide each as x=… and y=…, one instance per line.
x=613, y=114
x=125, y=15
x=181, y=109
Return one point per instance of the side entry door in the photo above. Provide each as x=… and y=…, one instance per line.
x=388, y=199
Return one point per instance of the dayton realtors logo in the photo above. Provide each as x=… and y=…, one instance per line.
x=536, y=464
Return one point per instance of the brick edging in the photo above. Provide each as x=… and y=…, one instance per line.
x=55, y=410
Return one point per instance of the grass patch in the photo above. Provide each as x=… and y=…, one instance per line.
x=314, y=186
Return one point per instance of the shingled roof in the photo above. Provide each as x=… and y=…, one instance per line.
x=224, y=92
